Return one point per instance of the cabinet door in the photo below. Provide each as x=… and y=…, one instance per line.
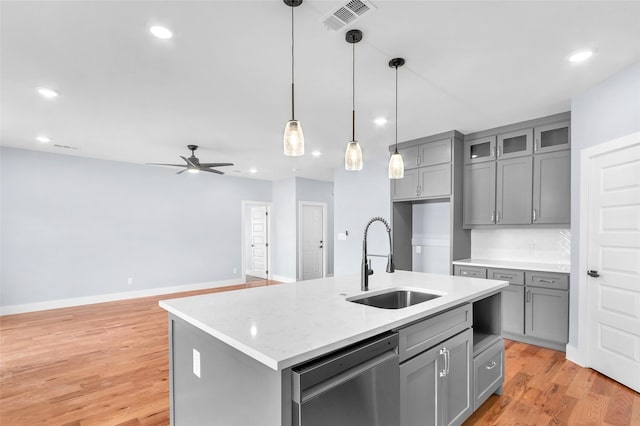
x=552, y=187
x=514, y=191
x=419, y=386
x=552, y=137
x=407, y=187
x=515, y=144
x=513, y=309
x=456, y=397
x=479, y=194
x=435, y=181
x=547, y=314
x=480, y=150
x=436, y=152
x=410, y=157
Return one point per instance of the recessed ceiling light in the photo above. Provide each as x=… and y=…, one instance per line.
x=580, y=56
x=161, y=32
x=45, y=92
x=380, y=121
x=43, y=139
x=316, y=153
x=253, y=170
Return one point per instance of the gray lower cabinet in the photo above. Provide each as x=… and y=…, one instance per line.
x=535, y=305
x=552, y=187
x=547, y=314
x=436, y=386
x=488, y=373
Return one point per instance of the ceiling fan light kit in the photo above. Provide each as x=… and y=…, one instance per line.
x=396, y=164
x=293, y=141
x=353, y=155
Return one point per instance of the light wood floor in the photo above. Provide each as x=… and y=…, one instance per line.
x=107, y=364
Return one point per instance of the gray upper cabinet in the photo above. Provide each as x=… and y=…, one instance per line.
x=532, y=174
x=515, y=144
x=427, y=171
x=437, y=152
x=552, y=137
x=552, y=187
x=407, y=187
x=480, y=150
x=410, y=157
x=513, y=192
x=479, y=192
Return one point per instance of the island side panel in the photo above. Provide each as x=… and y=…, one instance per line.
x=233, y=389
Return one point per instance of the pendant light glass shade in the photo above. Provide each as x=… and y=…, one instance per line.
x=293, y=139
x=353, y=157
x=396, y=166
x=353, y=154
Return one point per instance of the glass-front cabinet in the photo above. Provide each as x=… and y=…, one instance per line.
x=552, y=137
x=515, y=144
x=479, y=150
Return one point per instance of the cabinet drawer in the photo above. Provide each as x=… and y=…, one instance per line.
x=422, y=335
x=470, y=271
x=488, y=372
x=547, y=280
x=511, y=275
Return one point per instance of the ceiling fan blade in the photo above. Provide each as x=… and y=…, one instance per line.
x=163, y=164
x=189, y=162
x=182, y=171
x=212, y=171
x=215, y=164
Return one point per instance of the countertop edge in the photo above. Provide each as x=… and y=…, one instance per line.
x=560, y=268
x=316, y=352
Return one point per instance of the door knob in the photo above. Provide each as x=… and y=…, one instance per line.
x=593, y=273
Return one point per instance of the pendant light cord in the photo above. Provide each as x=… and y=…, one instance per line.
x=396, y=110
x=353, y=93
x=293, y=113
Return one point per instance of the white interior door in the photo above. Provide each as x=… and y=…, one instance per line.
x=614, y=252
x=258, y=255
x=312, y=241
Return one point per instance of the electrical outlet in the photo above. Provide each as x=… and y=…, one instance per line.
x=130, y=280
x=196, y=363
x=418, y=249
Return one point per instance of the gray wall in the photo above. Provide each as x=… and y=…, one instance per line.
x=359, y=196
x=74, y=227
x=607, y=111
x=320, y=192
x=284, y=231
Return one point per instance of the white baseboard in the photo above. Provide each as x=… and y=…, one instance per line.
x=111, y=297
x=283, y=279
x=575, y=356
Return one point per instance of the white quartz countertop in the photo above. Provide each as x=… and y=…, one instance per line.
x=286, y=324
x=506, y=264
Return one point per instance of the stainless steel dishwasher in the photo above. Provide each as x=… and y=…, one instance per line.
x=356, y=386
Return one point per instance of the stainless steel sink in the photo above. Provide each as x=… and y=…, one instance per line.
x=394, y=298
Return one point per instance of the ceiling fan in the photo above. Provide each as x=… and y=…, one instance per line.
x=193, y=165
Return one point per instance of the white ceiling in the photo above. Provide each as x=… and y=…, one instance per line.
x=223, y=81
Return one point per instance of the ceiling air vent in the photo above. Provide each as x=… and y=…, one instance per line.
x=347, y=14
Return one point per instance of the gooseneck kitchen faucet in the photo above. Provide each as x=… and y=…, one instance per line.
x=365, y=269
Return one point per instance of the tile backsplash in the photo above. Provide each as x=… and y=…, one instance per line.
x=540, y=245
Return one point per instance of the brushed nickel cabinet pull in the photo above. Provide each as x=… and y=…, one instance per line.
x=490, y=366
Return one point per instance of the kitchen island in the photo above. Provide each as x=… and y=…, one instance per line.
x=232, y=353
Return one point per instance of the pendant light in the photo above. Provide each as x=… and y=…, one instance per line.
x=293, y=137
x=396, y=165
x=353, y=154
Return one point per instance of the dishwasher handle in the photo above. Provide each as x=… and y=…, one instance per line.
x=335, y=381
